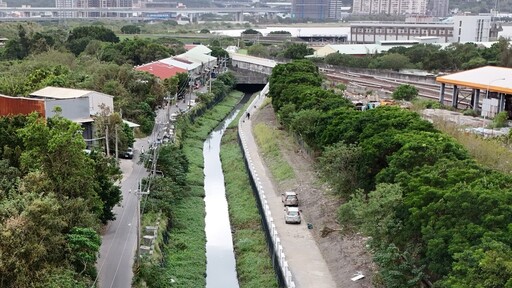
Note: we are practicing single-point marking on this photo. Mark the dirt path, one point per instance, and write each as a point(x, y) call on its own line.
point(345, 255)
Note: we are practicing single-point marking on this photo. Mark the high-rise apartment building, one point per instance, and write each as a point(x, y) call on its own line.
point(418, 7)
point(335, 9)
point(64, 4)
point(472, 28)
point(310, 9)
point(439, 8)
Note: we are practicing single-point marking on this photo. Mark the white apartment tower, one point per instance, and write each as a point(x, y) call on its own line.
point(64, 4)
point(417, 7)
point(472, 28)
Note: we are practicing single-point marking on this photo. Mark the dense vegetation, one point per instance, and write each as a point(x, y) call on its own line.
point(53, 199)
point(90, 57)
point(432, 213)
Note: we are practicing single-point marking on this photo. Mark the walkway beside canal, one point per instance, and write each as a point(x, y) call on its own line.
point(304, 258)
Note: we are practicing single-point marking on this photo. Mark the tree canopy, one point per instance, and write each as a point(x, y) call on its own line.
point(430, 211)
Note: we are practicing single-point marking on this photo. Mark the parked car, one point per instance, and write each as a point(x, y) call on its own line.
point(291, 215)
point(128, 154)
point(290, 198)
point(173, 117)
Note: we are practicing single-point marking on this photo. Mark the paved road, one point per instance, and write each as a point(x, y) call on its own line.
point(118, 247)
point(305, 260)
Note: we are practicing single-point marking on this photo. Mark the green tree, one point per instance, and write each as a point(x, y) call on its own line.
point(130, 29)
point(80, 37)
point(339, 166)
point(56, 150)
point(405, 92)
point(390, 61)
point(251, 31)
point(297, 51)
point(258, 50)
point(83, 245)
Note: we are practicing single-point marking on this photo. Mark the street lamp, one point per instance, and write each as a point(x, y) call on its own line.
point(489, 84)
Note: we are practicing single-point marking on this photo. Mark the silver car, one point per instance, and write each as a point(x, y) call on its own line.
point(290, 199)
point(291, 215)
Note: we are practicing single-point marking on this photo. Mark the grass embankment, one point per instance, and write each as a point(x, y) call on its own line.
point(253, 263)
point(491, 153)
point(186, 255)
point(268, 141)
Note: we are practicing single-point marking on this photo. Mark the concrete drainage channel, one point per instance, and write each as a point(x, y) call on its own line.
point(221, 265)
point(284, 275)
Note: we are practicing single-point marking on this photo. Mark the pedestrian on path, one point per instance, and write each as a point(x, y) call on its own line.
point(248, 115)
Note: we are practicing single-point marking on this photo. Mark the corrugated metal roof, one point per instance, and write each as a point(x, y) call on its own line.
point(495, 79)
point(161, 70)
point(197, 57)
point(256, 60)
point(200, 49)
point(21, 105)
point(181, 63)
point(60, 93)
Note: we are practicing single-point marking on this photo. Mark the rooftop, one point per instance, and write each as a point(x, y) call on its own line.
point(60, 93)
point(495, 79)
point(161, 70)
point(252, 59)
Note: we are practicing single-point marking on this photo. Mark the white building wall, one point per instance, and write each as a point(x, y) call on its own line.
point(72, 109)
point(473, 28)
point(98, 100)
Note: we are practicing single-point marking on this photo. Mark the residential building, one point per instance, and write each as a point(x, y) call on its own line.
point(390, 7)
point(475, 28)
point(64, 4)
point(310, 9)
point(439, 8)
point(161, 70)
point(77, 105)
point(372, 32)
point(463, 28)
point(335, 9)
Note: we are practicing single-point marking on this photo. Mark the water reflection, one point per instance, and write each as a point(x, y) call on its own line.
point(221, 266)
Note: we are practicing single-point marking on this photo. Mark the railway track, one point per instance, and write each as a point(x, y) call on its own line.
point(425, 90)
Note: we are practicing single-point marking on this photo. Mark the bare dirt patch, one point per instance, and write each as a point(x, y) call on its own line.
point(345, 254)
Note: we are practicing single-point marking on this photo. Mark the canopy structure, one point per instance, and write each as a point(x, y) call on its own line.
point(495, 81)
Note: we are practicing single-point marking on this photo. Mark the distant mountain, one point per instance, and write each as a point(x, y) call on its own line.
point(34, 3)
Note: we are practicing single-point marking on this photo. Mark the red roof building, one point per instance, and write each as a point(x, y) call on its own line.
point(161, 70)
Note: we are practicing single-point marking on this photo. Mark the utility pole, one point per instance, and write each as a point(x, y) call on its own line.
point(117, 151)
point(106, 140)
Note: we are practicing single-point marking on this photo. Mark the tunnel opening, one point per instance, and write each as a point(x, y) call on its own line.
point(249, 88)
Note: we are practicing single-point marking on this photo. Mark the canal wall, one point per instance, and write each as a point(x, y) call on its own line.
point(284, 275)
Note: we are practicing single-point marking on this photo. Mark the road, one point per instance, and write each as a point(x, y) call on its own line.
point(304, 258)
point(119, 241)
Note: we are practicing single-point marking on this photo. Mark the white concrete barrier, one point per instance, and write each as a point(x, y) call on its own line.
point(278, 248)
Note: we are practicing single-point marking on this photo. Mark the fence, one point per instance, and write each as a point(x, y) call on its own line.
point(284, 275)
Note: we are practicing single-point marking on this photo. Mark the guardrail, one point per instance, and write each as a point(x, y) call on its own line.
point(284, 275)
